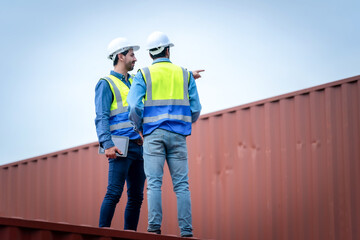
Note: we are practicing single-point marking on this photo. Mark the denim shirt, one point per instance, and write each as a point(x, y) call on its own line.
point(103, 101)
point(138, 91)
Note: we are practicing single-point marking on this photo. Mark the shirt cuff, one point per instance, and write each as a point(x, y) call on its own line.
point(195, 116)
point(107, 144)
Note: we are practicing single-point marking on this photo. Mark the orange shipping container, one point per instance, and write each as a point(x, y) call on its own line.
point(282, 168)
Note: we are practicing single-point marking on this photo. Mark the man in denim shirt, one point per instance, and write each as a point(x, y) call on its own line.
point(112, 119)
point(171, 104)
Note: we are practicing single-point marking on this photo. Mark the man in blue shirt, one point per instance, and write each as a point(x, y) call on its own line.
point(112, 119)
point(163, 103)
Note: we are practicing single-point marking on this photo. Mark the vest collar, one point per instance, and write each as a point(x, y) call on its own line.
point(121, 77)
point(161, 60)
point(118, 75)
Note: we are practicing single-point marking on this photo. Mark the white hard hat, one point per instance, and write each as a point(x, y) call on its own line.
point(119, 45)
point(159, 41)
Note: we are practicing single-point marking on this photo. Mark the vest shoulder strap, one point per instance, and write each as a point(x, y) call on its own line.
point(120, 107)
point(145, 72)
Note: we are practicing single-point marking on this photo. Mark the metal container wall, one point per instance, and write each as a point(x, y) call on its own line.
point(21, 229)
point(282, 168)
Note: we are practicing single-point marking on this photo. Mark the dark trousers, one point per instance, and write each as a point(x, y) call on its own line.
point(131, 170)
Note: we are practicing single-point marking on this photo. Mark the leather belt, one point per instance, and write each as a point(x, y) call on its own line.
point(138, 141)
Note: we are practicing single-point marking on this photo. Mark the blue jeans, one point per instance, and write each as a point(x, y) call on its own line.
point(158, 146)
point(131, 170)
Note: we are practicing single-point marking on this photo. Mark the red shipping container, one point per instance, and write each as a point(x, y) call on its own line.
point(282, 168)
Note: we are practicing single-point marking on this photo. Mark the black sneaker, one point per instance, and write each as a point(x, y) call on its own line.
point(158, 231)
point(187, 235)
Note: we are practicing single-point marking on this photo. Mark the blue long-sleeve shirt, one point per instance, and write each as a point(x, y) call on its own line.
point(138, 91)
point(103, 100)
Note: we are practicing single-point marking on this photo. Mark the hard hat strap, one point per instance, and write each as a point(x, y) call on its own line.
point(157, 50)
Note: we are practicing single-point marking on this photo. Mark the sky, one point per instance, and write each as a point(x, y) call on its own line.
point(54, 52)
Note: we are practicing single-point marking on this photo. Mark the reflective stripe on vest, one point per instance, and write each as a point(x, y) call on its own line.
point(119, 122)
point(166, 115)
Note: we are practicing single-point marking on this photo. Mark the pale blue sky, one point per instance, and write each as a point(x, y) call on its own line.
point(54, 52)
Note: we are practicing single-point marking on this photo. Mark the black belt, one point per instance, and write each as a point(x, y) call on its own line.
point(138, 141)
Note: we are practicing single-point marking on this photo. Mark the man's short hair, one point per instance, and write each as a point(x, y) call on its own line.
point(159, 55)
point(117, 58)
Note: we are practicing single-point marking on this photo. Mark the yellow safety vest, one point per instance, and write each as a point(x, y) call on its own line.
point(119, 121)
point(166, 102)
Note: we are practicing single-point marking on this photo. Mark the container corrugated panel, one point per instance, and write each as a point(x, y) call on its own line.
point(69, 186)
point(281, 168)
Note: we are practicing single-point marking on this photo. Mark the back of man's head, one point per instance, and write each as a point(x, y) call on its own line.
point(158, 45)
point(162, 54)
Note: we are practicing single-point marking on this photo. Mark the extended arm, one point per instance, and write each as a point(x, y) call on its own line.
point(194, 99)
